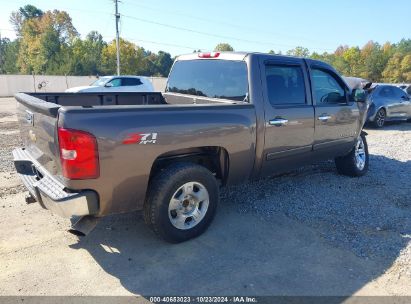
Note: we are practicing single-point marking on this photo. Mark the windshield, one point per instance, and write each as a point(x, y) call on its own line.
point(210, 78)
point(100, 82)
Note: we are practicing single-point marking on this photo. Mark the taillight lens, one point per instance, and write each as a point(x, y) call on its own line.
point(209, 55)
point(78, 154)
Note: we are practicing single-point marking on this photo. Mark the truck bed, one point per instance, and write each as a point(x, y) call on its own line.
point(53, 101)
point(101, 99)
point(183, 124)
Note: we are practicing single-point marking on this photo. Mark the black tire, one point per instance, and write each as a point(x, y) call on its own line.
point(162, 189)
point(347, 165)
point(380, 118)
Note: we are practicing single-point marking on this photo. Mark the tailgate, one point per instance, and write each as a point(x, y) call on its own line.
point(38, 126)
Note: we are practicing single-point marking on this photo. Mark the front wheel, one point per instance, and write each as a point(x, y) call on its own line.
point(181, 202)
point(380, 118)
point(355, 163)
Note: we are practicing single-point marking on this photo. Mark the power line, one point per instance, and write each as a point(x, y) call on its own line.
point(196, 31)
point(206, 33)
point(187, 30)
point(247, 28)
point(160, 43)
point(169, 44)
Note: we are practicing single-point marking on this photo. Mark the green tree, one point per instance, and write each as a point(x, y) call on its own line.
point(398, 67)
point(130, 58)
point(299, 51)
point(49, 43)
point(86, 55)
point(354, 65)
point(8, 56)
point(274, 52)
point(163, 63)
point(223, 47)
point(18, 17)
point(406, 69)
point(374, 61)
point(404, 46)
point(135, 60)
point(392, 72)
point(44, 43)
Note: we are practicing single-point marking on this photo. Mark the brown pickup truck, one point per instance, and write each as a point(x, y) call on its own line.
point(225, 118)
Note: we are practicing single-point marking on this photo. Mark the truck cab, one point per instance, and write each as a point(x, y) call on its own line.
point(224, 118)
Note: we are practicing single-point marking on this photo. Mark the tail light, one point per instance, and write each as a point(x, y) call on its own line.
point(78, 154)
point(209, 55)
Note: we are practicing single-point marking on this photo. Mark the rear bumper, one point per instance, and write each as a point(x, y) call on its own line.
point(51, 193)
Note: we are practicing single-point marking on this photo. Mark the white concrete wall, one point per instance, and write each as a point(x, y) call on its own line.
point(11, 84)
point(159, 83)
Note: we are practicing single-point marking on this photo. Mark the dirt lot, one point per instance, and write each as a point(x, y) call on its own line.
point(309, 232)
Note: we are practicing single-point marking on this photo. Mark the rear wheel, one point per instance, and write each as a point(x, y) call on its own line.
point(380, 118)
point(355, 163)
point(182, 201)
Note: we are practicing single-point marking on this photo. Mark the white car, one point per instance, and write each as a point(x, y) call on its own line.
point(107, 84)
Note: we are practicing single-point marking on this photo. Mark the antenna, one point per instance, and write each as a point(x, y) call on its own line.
point(117, 15)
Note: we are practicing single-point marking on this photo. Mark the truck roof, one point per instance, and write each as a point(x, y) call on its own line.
point(238, 56)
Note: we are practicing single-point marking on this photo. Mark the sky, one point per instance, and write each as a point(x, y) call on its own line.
point(182, 26)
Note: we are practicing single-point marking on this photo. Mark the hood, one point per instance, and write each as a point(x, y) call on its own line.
point(357, 83)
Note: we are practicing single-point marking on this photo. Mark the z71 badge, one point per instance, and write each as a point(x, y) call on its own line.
point(140, 138)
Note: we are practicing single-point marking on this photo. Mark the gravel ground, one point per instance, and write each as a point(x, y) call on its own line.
point(365, 222)
point(9, 138)
point(370, 215)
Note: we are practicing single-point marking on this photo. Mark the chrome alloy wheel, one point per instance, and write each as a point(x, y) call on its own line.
point(380, 118)
point(360, 156)
point(188, 205)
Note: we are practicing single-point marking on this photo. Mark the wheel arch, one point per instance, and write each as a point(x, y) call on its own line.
point(383, 108)
point(373, 117)
point(214, 158)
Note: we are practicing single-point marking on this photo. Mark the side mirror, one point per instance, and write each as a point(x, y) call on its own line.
point(359, 95)
point(108, 85)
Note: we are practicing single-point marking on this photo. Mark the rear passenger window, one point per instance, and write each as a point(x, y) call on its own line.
point(398, 93)
point(327, 89)
point(285, 84)
point(116, 82)
point(387, 92)
point(130, 82)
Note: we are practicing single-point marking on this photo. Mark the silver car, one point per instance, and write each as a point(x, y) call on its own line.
point(388, 103)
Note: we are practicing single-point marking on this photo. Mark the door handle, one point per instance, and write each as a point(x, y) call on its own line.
point(324, 117)
point(278, 122)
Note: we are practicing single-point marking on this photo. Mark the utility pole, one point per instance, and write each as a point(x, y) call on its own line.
point(1, 58)
point(117, 37)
